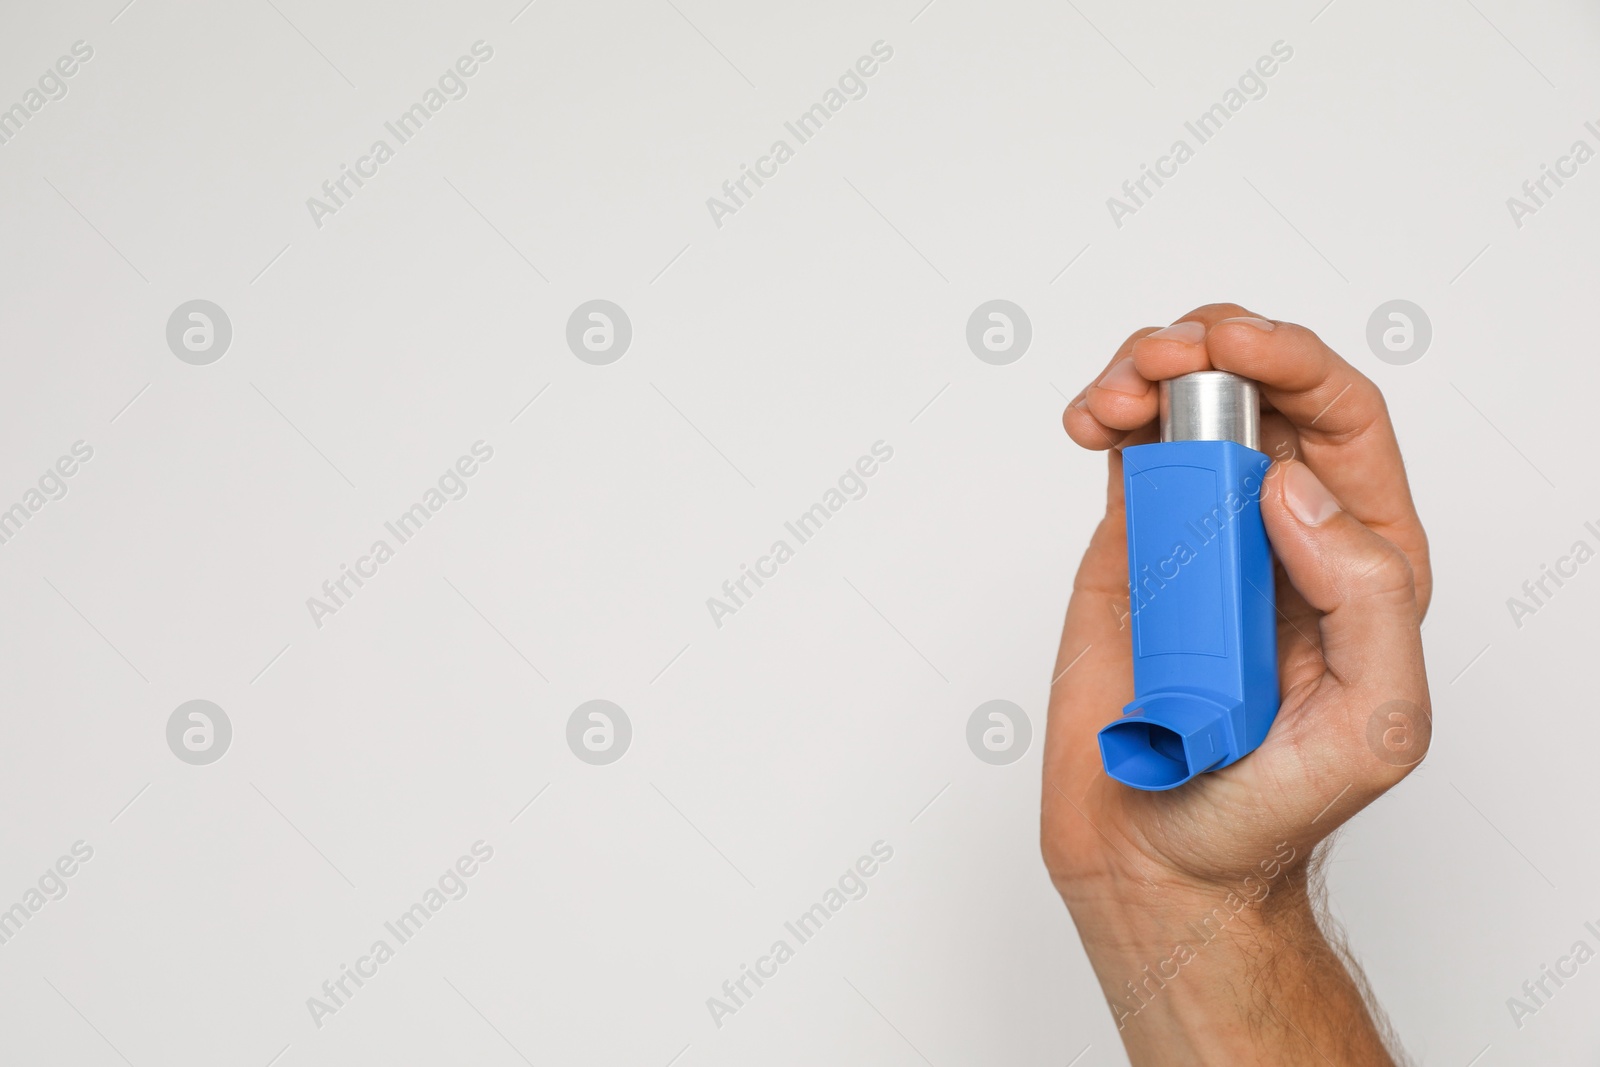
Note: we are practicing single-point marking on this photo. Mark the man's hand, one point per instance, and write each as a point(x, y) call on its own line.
point(1193, 903)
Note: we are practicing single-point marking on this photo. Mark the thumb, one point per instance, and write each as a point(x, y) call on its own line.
point(1360, 581)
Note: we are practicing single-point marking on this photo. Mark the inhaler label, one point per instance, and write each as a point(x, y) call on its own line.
point(1180, 524)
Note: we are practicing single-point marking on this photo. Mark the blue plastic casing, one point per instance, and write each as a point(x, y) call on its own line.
point(1202, 611)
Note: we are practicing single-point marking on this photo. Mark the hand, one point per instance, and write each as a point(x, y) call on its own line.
point(1353, 583)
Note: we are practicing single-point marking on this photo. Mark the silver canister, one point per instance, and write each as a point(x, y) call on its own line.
point(1211, 405)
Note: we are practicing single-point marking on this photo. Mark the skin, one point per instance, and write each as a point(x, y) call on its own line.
point(1204, 897)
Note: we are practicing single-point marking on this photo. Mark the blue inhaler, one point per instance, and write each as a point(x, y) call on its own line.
point(1200, 589)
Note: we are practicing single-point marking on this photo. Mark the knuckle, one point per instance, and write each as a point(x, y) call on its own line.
point(1384, 571)
point(1354, 410)
point(1397, 759)
point(1423, 743)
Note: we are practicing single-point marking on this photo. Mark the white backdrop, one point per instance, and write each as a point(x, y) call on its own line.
point(368, 746)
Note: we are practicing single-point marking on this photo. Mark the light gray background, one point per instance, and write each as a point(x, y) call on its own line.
point(767, 356)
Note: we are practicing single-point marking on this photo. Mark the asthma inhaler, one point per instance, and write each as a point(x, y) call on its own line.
point(1200, 589)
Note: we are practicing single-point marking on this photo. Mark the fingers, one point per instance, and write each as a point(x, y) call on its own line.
point(1338, 412)
point(1119, 394)
point(1123, 396)
point(1342, 423)
point(1339, 422)
point(1361, 582)
point(1089, 432)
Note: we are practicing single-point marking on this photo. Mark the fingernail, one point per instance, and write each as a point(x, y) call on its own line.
point(1189, 333)
point(1306, 496)
point(1260, 324)
point(1122, 378)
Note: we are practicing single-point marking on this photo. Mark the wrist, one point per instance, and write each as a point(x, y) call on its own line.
point(1235, 971)
point(1127, 924)
point(1193, 965)
point(1119, 907)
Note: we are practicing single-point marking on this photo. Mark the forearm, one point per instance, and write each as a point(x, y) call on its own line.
point(1216, 978)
